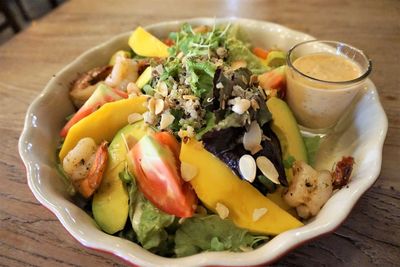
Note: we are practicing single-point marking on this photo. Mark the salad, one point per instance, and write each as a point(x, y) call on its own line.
point(186, 145)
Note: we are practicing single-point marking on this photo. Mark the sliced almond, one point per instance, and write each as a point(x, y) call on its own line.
point(268, 169)
point(166, 120)
point(239, 105)
point(148, 117)
point(222, 210)
point(258, 213)
point(219, 85)
point(188, 171)
point(134, 117)
point(151, 105)
point(158, 106)
point(247, 167)
point(163, 89)
point(252, 138)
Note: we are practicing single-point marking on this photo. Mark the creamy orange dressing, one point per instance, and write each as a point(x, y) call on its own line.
point(328, 67)
point(316, 108)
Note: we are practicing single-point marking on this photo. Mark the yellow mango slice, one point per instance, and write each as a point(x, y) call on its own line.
point(276, 197)
point(104, 123)
point(144, 78)
point(147, 45)
point(216, 183)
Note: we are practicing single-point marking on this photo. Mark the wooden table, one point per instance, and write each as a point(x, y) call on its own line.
point(30, 235)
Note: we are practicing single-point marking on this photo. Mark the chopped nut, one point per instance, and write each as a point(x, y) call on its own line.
point(134, 117)
point(148, 117)
point(158, 106)
point(163, 89)
point(239, 105)
point(190, 131)
point(186, 134)
point(158, 70)
point(247, 167)
point(268, 169)
point(132, 88)
point(258, 213)
point(188, 171)
point(166, 120)
point(222, 210)
point(151, 104)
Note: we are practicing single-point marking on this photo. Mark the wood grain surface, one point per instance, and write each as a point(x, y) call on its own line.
point(30, 235)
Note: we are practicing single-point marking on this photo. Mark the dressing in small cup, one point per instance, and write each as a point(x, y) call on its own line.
point(323, 77)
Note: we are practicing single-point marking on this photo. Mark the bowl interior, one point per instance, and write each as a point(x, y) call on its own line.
point(354, 136)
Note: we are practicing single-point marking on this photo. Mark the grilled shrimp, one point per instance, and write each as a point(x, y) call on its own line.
point(85, 165)
point(308, 190)
point(85, 85)
point(124, 71)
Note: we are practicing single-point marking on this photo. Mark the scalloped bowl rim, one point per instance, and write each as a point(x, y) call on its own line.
point(94, 238)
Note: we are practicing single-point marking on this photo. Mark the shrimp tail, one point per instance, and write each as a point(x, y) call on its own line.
point(92, 181)
point(341, 174)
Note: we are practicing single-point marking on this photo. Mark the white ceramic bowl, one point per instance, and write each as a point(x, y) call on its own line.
point(355, 135)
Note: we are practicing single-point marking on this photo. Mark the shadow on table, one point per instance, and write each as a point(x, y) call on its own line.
point(15, 15)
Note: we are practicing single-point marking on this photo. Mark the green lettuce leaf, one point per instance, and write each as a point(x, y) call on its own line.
point(210, 123)
point(197, 44)
point(233, 120)
point(210, 233)
point(148, 222)
point(237, 50)
point(201, 77)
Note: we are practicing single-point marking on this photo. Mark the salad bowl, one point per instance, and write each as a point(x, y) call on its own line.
point(353, 135)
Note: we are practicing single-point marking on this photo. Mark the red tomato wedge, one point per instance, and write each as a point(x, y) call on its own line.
point(103, 94)
point(170, 141)
point(158, 176)
point(274, 79)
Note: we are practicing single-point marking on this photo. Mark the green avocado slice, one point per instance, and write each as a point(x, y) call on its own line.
point(285, 127)
point(111, 202)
